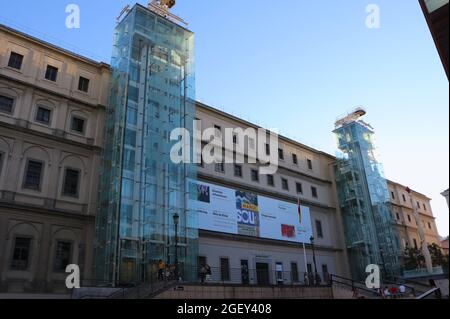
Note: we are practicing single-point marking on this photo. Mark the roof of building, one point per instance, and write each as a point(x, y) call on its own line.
point(53, 47)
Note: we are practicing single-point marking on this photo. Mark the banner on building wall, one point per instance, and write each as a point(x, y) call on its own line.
point(226, 210)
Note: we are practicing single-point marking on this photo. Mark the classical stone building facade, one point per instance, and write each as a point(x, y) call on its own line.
point(405, 223)
point(52, 106)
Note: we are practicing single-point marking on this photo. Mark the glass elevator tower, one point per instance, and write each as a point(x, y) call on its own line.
point(364, 200)
point(152, 92)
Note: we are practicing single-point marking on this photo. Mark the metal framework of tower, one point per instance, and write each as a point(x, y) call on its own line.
point(364, 200)
point(152, 92)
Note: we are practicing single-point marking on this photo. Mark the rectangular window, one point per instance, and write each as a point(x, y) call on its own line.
point(393, 195)
point(43, 115)
point(255, 175)
point(21, 254)
point(220, 168)
point(267, 149)
point(270, 180)
point(404, 198)
point(424, 207)
point(83, 84)
point(285, 184)
point(224, 269)
point(235, 139)
point(310, 165)
point(71, 182)
point(15, 61)
point(325, 271)
point(429, 226)
point(418, 205)
point(51, 73)
point(309, 268)
point(218, 130)
point(294, 159)
point(299, 187)
point(398, 216)
point(314, 192)
point(33, 175)
point(294, 272)
point(319, 229)
point(238, 170)
point(129, 160)
point(409, 218)
point(63, 256)
point(77, 124)
point(6, 104)
point(280, 154)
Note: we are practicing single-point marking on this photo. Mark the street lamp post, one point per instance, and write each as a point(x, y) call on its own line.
point(176, 219)
point(314, 260)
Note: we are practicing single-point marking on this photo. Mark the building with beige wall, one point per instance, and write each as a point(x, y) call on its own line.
point(403, 215)
point(52, 106)
point(303, 173)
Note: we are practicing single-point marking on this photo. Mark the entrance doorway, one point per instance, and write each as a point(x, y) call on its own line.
point(262, 274)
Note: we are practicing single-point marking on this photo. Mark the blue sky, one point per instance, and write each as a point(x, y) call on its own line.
point(296, 65)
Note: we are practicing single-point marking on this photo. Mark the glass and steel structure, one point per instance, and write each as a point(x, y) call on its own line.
point(364, 201)
point(152, 92)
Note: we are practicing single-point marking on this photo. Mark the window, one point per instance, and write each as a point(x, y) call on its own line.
point(15, 61)
point(238, 170)
point(314, 192)
point(235, 139)
point(267, 149)
point(6, 104)
point(255, 175)
point(77, 124)
point(220, 168)
point(294, 159)
point(285, 184)
point(129, 160)
point(294, 272)
point(319, 229)
point(33, 175)
point(62, 256)
point(218, 131)
point(224, 269)
point(409, 218)
point(404, 198)
point(71, 182)
point(309, 162)
point(270, 180)
point(424, 207)
point(280, 154)
point(415, 243)
point(43, 115)
point(398, 216)
point(309, 268)
point(83, 84)
point(21, 254)
point(393, 195)
point(429, 224)
point(299, 187)
point(418, 205)
point(51, 73)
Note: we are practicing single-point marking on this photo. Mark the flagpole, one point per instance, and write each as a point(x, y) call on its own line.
point(304, 246)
